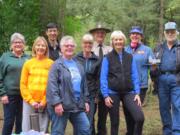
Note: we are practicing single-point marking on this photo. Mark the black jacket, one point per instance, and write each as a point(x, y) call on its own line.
point(54, 53)
point(91, 67)
point(119, 75)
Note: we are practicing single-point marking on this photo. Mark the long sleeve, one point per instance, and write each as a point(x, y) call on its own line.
point(135, 78)
point(24, 85)
point(53, 92)
point(2, 71)
point(103, 77)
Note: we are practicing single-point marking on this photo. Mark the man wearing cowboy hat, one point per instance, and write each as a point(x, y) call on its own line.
point(100, 49)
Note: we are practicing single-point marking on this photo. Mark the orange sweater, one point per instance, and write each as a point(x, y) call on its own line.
point(34, 78)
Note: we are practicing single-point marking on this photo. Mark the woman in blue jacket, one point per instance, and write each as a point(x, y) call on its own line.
point(119, 81)
point(141, 54)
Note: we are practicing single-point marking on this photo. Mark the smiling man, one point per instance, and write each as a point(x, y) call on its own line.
point(53, 43)
point(168, 76)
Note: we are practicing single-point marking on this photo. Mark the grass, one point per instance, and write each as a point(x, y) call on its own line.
point(152, 125)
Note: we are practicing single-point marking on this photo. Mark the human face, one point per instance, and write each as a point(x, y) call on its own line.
point(170, 35)
point(40, 48)
point(68, 49)
point(52, 34)
point(118, 43)
point(87, 46)
point(17, 46)
point(135, 37)
point(99, 36)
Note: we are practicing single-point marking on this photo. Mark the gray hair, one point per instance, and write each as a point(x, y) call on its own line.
point(17, 36)
point(66, 39)
point(117, 33)
point(88, 37)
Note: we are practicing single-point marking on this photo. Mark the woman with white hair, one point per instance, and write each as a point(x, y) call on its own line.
point(10, 69)
point(91, 65)
point(67, 93)
point(119, 81)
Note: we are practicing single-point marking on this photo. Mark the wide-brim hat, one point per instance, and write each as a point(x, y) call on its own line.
point(136, 29)
point(99, 26)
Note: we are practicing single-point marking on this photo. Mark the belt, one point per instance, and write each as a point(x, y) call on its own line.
point(168, 72)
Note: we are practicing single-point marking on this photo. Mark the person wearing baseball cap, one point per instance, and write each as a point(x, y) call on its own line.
point(168, 76)
point(141, 53)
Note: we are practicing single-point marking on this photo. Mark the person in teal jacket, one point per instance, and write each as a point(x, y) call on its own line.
point(10, 69)
point(141, 53)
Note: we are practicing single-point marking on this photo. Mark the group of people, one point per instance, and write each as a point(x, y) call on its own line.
point(60, 85)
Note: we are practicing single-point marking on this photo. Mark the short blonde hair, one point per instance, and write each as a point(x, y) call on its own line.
point(117, 33)
point(35, 43)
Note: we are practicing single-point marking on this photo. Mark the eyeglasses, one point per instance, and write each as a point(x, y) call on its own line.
point(87, 42)
point(17, 42)
point(69, 45)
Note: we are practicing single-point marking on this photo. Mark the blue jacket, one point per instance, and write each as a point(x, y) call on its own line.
point(141, 56)
point(60, 88)
point(104, 78)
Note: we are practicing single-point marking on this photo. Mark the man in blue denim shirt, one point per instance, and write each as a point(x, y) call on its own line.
point(168, 86)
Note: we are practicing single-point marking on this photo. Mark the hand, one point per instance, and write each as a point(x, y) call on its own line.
point(41, 106)
point(137, 98)
point(35, 105)
point(59, 109)
point(4, 100)
point(108, 102)
point(87, 108)
point(154, 67)
point(96, 100)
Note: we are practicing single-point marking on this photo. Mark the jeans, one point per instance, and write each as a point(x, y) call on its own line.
point(91, 114)
point(79, 121)
point(169, 104)
point(12, 114)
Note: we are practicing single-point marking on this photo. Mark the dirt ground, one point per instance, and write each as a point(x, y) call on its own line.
point(152, 125)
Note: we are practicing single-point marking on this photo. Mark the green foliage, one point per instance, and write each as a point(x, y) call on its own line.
point(18, 16)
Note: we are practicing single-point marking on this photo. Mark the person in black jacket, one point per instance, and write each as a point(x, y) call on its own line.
point(91, 66)
point(52, 33)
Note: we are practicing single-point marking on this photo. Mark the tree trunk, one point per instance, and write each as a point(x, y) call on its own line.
point(161, 21)
point(52, 11)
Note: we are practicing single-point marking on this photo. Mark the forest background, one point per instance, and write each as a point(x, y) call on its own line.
point(76, 17)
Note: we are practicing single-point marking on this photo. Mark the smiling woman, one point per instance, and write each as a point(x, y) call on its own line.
point(10, 69)
point(33, 84)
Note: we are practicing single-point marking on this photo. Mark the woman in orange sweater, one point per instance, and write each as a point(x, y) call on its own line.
point(33, 84)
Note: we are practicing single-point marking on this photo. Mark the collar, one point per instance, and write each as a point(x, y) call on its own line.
point(13, 55)
point(93, 56)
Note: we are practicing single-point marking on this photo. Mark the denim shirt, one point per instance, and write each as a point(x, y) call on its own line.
point(141, 56)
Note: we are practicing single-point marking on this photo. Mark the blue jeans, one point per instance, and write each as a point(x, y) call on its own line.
point(91, 114)
point(12, 114)
point(79, 121)
point(169, 99)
